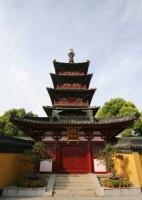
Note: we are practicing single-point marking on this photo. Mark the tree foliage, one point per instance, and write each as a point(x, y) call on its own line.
point(107, 155)
point(117, 107)
point(121, 108)
point(7, 128)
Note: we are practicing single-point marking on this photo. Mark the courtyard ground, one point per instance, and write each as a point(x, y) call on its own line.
point(74, 198)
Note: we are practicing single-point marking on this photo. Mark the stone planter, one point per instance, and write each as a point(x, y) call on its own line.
point(99, 166)
point(110, 192)
point(46, 165)
point(14, 191)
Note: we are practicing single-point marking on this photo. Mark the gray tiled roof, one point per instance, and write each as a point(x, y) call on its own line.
point(128, 144)
point(59, 66)
point(73, 120)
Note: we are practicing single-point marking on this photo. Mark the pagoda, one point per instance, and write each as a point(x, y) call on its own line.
point(71, 131)
point(71, 96)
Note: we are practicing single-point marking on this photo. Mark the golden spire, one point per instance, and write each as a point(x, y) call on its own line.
point(71, 54)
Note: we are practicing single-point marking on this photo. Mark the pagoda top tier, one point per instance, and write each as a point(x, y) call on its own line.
point(61, 67)
point(65, 67)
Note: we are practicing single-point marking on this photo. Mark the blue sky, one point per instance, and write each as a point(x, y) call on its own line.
point(35, 32)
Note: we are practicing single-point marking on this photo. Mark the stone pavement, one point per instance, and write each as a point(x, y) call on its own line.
point(74, 198)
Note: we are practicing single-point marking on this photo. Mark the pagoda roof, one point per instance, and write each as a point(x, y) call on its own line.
point(109, 127)
point(61, 66)
point(85, 94)
point(83, 79)
point(48, 109)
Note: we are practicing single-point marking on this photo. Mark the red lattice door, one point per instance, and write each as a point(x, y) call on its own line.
point(74, 159)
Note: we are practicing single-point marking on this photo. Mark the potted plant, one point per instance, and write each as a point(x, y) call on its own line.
point(40, 159)
point(43, 160)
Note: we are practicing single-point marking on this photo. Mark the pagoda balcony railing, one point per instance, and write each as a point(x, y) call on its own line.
point(71, 73)
point(71, 86)
point(70, 104)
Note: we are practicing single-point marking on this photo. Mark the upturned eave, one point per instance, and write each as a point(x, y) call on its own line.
point(37, 127)
point(61, 66)
point(85, 94)
point(81, 79)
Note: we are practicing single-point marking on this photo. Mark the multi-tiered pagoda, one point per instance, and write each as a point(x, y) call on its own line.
point(73, 133)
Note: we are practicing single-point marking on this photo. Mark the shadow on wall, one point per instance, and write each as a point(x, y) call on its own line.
point(121, 166)
point(130, 167)
point(124, 168)
point(12, 168)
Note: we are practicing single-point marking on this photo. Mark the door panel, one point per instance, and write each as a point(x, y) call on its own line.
point(74, 159)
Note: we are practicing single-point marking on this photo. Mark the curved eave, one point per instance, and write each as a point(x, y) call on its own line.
point(30, 124)
point(61, 66)
point(85, 94)
point(109, 128)
point(48, 109)
point(82, 79)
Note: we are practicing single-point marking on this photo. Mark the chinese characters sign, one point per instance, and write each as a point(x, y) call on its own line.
point(73, 135)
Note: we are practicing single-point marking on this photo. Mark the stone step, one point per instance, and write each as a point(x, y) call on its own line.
point(73, 178)
point(85, 193)
point(73, 175)
point(73, 183)
point(82, 177)
point(73, 187)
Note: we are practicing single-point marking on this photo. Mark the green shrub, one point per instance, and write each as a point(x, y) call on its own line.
point(28, 183)
point(112, 183)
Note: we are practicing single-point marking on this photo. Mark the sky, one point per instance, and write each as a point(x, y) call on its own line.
point(35, 32)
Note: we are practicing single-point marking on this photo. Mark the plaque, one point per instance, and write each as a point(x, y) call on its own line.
point(73, 135)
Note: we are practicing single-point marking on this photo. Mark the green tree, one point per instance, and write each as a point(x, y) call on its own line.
point(121, 108)
point(7, 128)
point(117, 107)
point(138, 125)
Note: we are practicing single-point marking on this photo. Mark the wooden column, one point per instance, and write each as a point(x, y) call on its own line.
point(89, 136)
point(56, 136)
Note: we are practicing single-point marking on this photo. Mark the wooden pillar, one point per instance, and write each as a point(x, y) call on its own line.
point(90, 156)
point(56, 137)
point(89, 136)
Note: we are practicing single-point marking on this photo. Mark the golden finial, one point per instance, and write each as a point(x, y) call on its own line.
point(71, 54)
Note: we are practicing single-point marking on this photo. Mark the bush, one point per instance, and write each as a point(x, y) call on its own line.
point(112, 183)
point(28, 183)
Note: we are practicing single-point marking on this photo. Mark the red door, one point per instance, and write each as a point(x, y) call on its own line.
point(74, 159)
